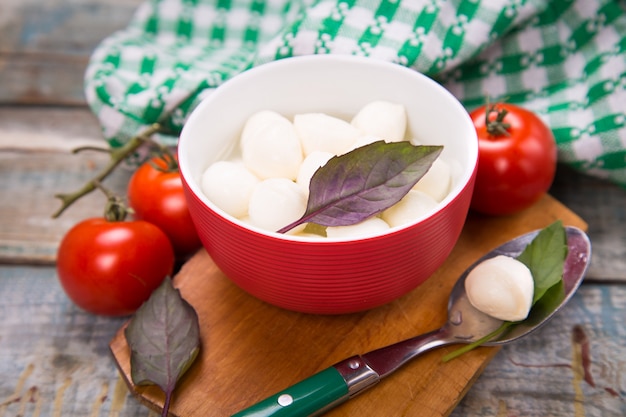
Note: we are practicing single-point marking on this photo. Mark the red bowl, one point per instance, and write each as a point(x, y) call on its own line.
point(331, 276)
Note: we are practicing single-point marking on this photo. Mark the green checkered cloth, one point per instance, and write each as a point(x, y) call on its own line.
point(563, 59)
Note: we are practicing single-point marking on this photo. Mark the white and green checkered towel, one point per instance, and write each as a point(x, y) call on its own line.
point(564, 59)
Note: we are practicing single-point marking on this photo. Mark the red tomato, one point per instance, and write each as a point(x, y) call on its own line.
point(517, 157)
point(112, 267)
point(157, 196)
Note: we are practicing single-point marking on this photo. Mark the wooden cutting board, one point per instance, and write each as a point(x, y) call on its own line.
point(251, 350)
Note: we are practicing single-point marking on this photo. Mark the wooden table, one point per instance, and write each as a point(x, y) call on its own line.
point(55, 359)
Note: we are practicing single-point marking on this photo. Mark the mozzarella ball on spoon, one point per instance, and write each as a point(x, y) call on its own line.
point(275, 203)
point(272, 150)
point(382, 119)
point(501, 287)
point(321, 132)
point(229, 186)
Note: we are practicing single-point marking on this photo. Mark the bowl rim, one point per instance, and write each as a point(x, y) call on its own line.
point(462, 183)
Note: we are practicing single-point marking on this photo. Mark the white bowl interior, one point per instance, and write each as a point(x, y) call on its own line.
point(333, 84)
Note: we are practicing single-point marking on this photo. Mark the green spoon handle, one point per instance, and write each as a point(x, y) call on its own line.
point(318, 393)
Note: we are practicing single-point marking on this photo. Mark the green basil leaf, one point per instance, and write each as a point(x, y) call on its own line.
point(545, 257)
point(315, 229)
point(359, 184)
point(164, 339)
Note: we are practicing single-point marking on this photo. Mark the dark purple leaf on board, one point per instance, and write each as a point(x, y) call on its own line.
point(164, 339)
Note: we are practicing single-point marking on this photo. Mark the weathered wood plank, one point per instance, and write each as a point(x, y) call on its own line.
point(45, 46)
point(42, 78)
point(71, 26)
point(54, 359)
point(603, 206)
point(48, 128)
point(28, 234)
point(35, 164)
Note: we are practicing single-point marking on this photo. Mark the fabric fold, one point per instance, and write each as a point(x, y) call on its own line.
point(563, 59)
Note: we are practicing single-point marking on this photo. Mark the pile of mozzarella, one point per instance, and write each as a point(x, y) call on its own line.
point(266, 184)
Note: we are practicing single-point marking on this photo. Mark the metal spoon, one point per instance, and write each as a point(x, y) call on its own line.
point(344, 380)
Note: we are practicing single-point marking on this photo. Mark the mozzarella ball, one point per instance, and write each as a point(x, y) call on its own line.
point(275, 203)
point(501, 287)
point(311, 163)
point(367, 227)
point(413, 205)
point(229, 186)
point(436, 181)
point(362, 141)
point(257, 122)
point(321, 132)
point(272, 150)
point(383, 119)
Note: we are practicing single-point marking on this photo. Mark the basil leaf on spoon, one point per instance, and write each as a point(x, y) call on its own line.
point(359, 184)
point(545, 257)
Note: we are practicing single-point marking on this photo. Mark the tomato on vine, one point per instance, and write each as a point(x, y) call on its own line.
point(517, 158)
point(155, 193)
point(110, 266)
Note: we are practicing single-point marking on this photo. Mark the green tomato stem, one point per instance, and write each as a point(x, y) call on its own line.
point(497, 127)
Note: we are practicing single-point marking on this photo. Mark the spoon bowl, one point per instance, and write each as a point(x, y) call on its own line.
point(465, 325)
point(462, 315)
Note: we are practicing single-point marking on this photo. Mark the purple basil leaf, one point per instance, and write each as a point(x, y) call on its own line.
point(364, 182)
point(164, 339)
